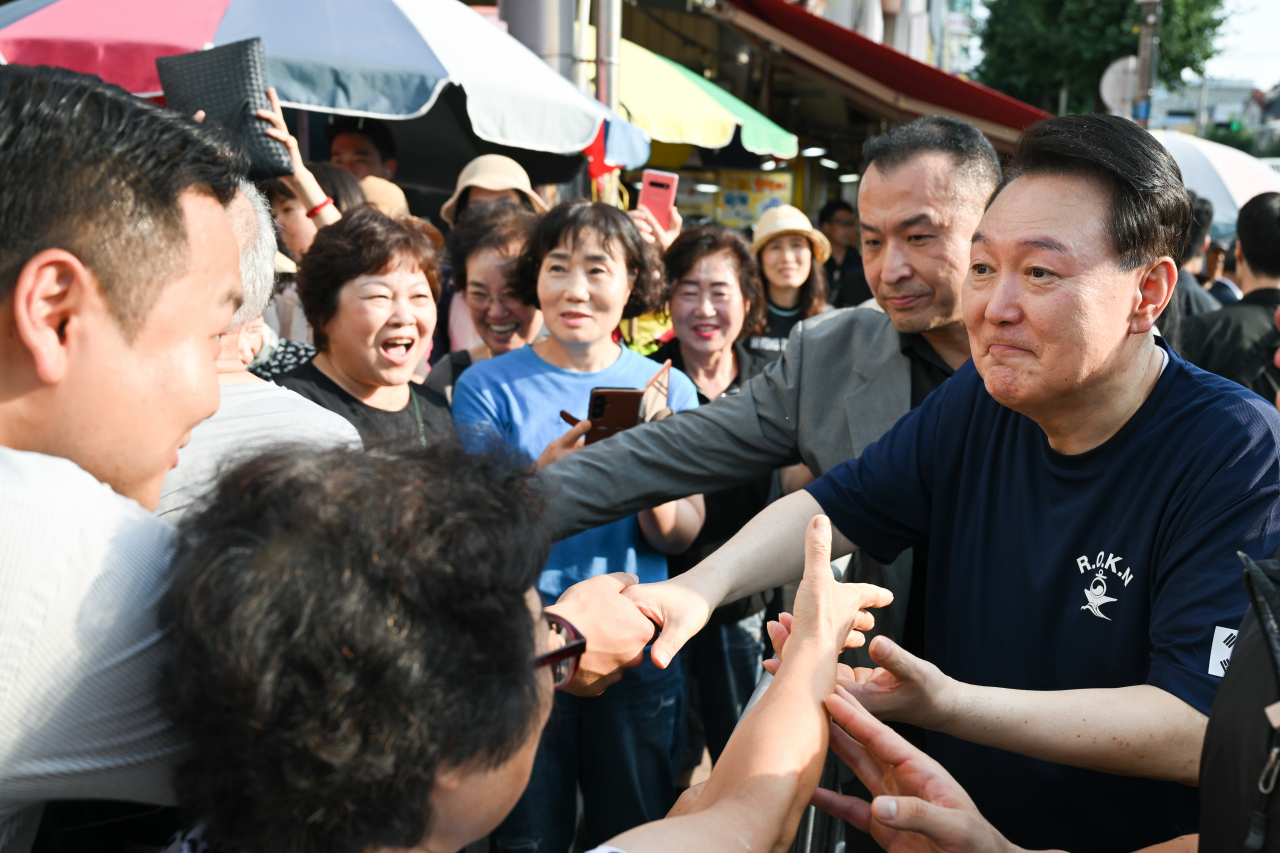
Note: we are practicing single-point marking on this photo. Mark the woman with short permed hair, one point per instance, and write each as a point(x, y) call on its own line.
point(587, 267)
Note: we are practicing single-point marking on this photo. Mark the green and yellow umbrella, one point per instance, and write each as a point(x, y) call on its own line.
point(674, 105)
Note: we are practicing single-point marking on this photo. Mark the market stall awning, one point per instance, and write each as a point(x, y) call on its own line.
point(878, 79)
point(388, 59)
point(674, 105)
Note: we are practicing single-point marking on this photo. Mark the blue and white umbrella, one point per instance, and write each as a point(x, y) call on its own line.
point(391, 59)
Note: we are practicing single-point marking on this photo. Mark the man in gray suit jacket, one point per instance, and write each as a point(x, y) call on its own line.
point(846, 376)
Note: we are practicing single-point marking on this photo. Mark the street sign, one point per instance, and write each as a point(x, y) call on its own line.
point(1119, 85)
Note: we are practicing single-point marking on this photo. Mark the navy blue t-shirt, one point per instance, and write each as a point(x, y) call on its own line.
point(1105, 569)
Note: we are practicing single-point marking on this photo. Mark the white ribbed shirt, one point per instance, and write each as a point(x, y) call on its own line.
point(82, 571)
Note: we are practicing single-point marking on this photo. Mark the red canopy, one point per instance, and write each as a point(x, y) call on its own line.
point(879, 79)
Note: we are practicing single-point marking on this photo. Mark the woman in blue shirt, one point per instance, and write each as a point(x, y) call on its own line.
point(587, 267)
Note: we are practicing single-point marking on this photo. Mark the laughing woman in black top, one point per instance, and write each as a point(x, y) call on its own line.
point(368, 287)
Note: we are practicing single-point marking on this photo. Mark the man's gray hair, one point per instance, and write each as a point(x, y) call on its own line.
point(257, 255)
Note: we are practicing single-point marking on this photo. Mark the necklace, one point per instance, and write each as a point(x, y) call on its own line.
point(417, 415)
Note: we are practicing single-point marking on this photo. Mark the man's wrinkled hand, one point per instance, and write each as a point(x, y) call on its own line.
point(903, 687)
point(917, 805)
point(615, 630)
point(678, 608)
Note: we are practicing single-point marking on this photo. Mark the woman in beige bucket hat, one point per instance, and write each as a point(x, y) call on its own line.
point(491, 176)
point(791, 253)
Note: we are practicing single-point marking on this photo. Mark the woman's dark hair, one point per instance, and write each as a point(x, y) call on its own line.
point(1149, 214)
point(813, 292)
point(336, 182)
point(344, 625)
point(697, 243)
point(564, 226)
point(464, 200)
point(489, 226)
point(365, 241)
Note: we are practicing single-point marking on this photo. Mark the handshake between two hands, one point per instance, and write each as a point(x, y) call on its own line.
point(916, 804)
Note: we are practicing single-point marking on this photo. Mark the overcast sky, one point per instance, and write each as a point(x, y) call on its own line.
point(1249, 43)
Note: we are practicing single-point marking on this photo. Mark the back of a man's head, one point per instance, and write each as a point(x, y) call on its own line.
point(250, 216)
point(975, 163)
point(346, 625)
point(89, 168)
point(1201, 222)
point(1149, 215)
point(1258, 230)
point(831, 208)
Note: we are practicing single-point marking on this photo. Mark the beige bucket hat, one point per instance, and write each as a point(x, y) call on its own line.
point(785, 219)
point(385, 196)
point(492, 172)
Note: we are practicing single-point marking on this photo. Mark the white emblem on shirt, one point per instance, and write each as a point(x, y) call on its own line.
point(1096, 593)
point(1224, 642)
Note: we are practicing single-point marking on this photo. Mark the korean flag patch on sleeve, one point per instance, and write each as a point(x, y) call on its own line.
point(1224, 640)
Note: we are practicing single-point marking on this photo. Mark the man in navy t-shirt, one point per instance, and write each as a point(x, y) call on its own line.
point(1083, 492)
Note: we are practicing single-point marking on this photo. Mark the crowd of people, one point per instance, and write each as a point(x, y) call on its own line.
point(309, 537)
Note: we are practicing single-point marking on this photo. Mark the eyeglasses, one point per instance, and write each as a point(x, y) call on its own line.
point(480, 301)
point(564, 660)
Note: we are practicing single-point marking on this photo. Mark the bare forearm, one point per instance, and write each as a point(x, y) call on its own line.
point(767, 552)
point(672, 527)
point(766, 775)
point(1132, 731)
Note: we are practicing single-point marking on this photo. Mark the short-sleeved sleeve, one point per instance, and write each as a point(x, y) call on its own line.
point(1199, 595)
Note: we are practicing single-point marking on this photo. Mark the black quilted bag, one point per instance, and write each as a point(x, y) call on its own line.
point(230, 84)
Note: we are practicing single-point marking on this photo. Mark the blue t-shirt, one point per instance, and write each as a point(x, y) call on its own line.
point(1109, 568)
point(519, 396)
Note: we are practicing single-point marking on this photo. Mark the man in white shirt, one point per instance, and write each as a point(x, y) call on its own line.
point(253, 413)
point(118, 273)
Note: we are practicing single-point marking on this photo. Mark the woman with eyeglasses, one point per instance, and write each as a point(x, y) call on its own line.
point(382, 681)
point(484, 246)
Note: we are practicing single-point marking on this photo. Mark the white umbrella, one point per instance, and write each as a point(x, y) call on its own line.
point(1226, 176)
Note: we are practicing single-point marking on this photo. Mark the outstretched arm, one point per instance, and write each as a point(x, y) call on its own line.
point(1140, 730)
point(725, 443)
point(768, 771)
point(762, 555)
point(917, 805)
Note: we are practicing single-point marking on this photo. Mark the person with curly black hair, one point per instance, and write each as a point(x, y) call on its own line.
point(586, 267)
point(350, 648)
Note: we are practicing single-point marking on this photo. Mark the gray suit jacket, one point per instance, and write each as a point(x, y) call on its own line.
point(840, 384)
